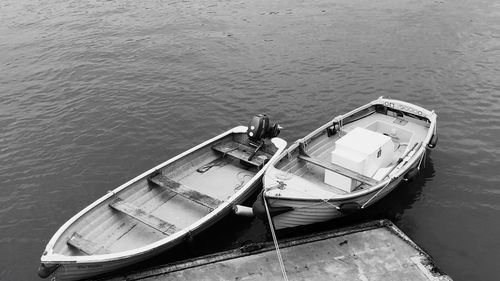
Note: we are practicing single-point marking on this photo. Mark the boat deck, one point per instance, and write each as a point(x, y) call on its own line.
point(324, 146)
point(168, 200)
point(304, 173)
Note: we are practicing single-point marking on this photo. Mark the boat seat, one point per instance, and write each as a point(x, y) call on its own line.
point(85, 246)
point(184, 191)
point(340, 170)
point(242, 152)
point(143, 216)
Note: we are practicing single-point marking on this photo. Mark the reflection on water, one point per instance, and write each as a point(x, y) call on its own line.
point(93, 93)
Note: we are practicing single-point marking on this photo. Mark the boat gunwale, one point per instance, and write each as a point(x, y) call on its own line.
point(49, 257)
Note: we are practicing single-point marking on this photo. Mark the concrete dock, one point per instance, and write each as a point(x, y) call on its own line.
point(375, 250)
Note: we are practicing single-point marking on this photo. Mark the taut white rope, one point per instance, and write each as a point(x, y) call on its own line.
point(271, 227)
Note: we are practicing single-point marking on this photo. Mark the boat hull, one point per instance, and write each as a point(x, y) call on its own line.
point(299, 188)
point(159, 209)
point(310, 211)
point(69, 271)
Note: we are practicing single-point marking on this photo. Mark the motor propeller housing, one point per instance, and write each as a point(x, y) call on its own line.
point(259, 128)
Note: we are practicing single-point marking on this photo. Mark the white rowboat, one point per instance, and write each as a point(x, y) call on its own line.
point(347, 164)
point(163, 206)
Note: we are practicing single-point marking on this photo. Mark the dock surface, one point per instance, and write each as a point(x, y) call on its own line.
point(375, 250)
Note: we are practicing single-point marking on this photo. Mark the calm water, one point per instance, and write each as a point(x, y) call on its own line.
point(94, 92)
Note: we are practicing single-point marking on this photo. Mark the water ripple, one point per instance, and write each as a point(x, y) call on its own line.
point(94, 92)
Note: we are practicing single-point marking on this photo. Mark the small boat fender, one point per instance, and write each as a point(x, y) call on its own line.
point(411, 174)
point(243, 211)
point(259, 210)
point(45, 270)
point(349, 208)
point(432, 143)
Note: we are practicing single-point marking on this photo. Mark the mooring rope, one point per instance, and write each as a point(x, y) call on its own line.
point(380, 190)
point(242, 181)
point(271, 227)
point(216, 163)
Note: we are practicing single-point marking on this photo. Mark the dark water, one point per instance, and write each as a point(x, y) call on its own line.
point(94, 92)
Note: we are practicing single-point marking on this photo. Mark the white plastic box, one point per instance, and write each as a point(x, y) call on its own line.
point(361, 151)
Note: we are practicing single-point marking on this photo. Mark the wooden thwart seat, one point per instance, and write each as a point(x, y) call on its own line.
point(85, 246)
point(184, 191)
point(241, 152)
point(340, 170)
point(142, 216)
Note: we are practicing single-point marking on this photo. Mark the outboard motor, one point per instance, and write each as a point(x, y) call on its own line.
point(259, 128)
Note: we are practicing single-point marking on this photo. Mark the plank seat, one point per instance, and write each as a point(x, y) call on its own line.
point(242, 152)
point(85, 246)
point(184, 191)
point(339, 169)
point(143, 216)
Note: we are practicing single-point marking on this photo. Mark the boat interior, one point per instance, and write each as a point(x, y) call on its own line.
point(167, 200)
point(328, 162)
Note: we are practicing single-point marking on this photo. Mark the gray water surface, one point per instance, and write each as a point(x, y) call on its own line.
point(94, 92)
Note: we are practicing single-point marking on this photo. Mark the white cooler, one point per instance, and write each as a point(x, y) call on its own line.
point(362, 151)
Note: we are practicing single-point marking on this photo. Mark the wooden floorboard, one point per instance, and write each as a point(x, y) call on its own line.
point(322, 146)
point(142, 216)
point(184, 191)
point(85, 246)
point(241, 152)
